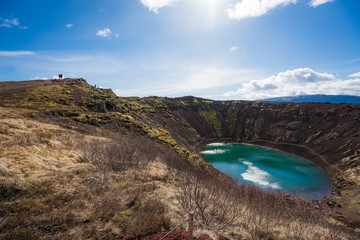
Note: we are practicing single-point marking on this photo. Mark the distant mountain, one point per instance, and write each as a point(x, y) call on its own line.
point(316, 98)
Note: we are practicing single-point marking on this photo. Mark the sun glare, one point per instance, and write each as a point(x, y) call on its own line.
point(212, 5)
point(209, 11)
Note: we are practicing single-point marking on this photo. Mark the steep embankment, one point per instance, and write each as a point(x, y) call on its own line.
point(330, 130)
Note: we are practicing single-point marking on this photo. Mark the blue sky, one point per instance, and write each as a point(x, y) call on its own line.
point(218, 49)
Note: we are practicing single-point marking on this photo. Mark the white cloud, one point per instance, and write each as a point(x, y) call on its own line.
point(355, 75)
point(69, 25)
point(39, 78)
point(117, 35)
point(11, 23)
point(315, 3)
point(15, 53)
point(300, 81)
point(106, 32)
point(154, 5)
point(254, 8)
point(233, 49)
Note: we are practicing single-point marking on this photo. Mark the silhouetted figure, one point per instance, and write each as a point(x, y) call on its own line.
point(60, 76)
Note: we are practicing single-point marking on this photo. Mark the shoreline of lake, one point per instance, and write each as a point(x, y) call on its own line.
point(269, 169)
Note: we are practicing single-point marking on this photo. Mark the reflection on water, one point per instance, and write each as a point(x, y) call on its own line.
point(269, 169)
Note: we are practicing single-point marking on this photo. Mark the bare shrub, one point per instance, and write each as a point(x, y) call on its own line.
point(303, 218)
point(176, 164)
point(148, 219)
point(118, 156)
point(109, 205)
point(214, 201)
point(96, 154)
point(263, 211)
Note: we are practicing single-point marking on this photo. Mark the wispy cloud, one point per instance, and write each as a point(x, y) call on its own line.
point(355, 75)
point(196, 80)
point(155, 5)
point(315, 3)
point(233, 49)
point(106, 32)
point(254, 8)
point(70, 25)
point(71, 59)
point(11, 23)
point(300, 81)
point(15, 53)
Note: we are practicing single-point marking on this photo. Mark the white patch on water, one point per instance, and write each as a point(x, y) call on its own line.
point(216, 144)
point(258, 176)
point(215, 151)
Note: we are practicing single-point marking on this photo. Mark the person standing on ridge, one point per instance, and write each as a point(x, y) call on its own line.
point(60, 76)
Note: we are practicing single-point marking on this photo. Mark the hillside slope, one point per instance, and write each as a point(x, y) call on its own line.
point(96, 162)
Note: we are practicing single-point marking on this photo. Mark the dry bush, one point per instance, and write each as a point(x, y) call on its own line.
point(176, 163)
point(110, 204)
point(222, 204)
point(214, 200)
point(118, 156)
point(72, 140)
point(149, 218)
point(21, 234)
point(261, 212)
point(9, 191)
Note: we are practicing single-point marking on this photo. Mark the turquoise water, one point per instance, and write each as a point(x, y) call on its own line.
point(268, 169)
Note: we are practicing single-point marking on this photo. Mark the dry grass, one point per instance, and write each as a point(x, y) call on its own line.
point(67, 204)
point(30, 149)
point(49, 186)
point(245, 212)
point(58, 184)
